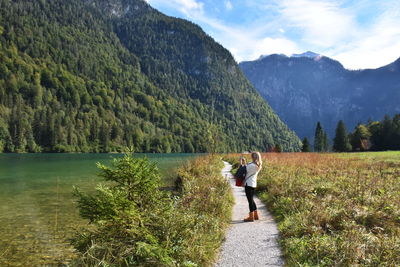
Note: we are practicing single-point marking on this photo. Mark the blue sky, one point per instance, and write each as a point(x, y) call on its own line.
point(359, 33)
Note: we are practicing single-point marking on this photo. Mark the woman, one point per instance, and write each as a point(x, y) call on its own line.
point(240, 174)
point(250, 182)
point(243, 161)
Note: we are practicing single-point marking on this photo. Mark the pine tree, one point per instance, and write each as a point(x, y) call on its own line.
point(318, 139)
point(325, 142)
point(396, 133)
point(306, 145)
point(387, 129)
point(126, 213)
point(105, 137)
point(341, 141)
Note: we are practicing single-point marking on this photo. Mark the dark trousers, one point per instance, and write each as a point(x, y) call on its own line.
point(250, 197)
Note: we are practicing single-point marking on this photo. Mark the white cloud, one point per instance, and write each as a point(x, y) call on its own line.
point(334, 31)
point(294, 26)
point(268, 46)
point(187, 7)
point(376, 46)
point(244, 43)
point(322, 23)
point(247, 44)
point(228, 5)
point(254, 47)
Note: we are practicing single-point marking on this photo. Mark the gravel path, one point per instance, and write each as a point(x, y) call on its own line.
point(249, 244)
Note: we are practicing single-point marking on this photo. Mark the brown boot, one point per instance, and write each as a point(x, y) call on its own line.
point(250, 218)
point(256, 215)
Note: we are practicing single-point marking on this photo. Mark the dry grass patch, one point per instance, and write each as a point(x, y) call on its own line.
point(334, 211)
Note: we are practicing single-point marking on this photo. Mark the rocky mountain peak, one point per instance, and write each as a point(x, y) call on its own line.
point(308, 54)
point(303, 90)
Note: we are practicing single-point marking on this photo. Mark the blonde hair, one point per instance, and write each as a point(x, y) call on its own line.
point(244, 159)
point(256, 157)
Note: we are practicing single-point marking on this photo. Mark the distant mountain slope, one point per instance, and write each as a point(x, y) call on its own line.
point(96, 75)
point(304, 90)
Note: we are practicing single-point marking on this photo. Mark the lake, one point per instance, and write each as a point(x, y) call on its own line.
point(37, 209)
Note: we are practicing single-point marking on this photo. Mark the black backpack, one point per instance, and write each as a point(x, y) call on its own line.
point(241, 173)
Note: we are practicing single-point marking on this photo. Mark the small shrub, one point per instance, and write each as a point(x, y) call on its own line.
point(135, 223)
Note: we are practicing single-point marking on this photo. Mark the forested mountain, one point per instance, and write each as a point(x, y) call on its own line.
point(304, 90)
point(97, 76)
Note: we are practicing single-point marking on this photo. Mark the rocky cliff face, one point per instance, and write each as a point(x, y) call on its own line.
point(304, 90)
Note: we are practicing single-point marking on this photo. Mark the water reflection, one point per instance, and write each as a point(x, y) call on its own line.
point(37, 210)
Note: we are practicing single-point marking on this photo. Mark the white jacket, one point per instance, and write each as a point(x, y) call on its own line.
point(251, 175)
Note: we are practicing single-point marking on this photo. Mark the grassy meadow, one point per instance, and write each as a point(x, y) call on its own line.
point(389, 156)
point(334, 209)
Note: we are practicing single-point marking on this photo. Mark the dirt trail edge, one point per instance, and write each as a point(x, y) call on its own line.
point(249, 244)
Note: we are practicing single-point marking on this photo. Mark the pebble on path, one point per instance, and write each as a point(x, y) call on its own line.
point(249, 244)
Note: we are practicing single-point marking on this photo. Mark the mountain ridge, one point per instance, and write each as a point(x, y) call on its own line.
point(97, 76)
point(303, 91)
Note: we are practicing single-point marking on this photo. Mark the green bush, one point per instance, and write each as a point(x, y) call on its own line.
point(135, 223)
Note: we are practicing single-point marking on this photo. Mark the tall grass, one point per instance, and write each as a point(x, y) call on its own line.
point(333, 211)
point(207, 203)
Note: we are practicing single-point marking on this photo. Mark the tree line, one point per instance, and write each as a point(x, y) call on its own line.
point(372, 136)
point(76, 78)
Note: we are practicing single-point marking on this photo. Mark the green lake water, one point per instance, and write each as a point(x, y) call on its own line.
point(37, 209)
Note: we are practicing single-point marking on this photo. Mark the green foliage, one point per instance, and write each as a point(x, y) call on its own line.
point(385, 135)
point(321, 143)
point(78, 76)
point(278, 148)
point(376, 135)
point(135, 223)
point(360, 135)
point(127, 214)
point(306, 145)
point(341, 141)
